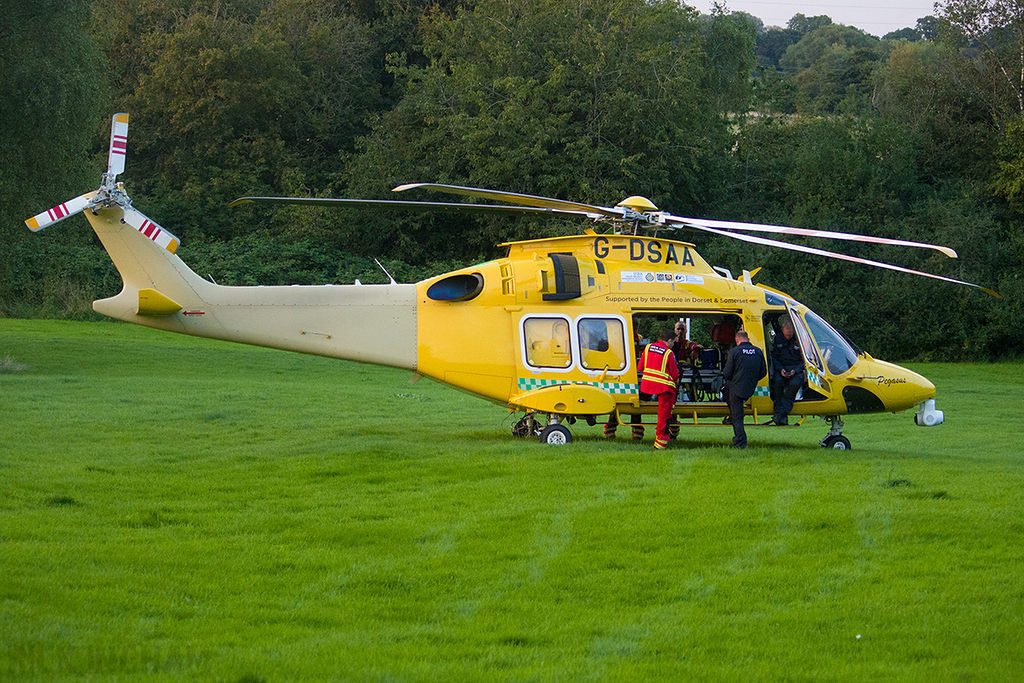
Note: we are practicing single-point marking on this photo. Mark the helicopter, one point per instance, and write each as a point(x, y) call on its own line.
point(567, 317)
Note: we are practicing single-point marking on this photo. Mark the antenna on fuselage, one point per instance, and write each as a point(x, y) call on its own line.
point(393, 281)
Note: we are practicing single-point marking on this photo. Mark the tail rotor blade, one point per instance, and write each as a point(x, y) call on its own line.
point(59, 212)
point(118, 144)
point(150, 229)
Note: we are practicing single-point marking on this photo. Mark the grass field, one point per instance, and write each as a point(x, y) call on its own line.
point(175, 509)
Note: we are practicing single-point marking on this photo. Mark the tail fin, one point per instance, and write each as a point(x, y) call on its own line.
point(156, 282)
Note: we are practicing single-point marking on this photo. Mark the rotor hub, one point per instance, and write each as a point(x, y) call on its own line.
point(638, 204)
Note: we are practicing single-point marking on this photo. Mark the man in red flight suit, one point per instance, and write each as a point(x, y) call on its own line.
point(659, 375)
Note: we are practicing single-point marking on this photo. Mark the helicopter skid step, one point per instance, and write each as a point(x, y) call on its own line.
point(713, 423)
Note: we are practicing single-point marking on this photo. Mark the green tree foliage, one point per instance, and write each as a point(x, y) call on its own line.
point(929, 27)
point(995, 28)
point(822, 42)
point(919, 140)
point(729, 41)
point(921, 88)
point(236, 98)
point(209, 115)
point(1009, 178)
point(831, 64)
point(908, 34)
point(993, 33)
point(866, 177)
point(772, 44)
point(803, 24)
point(592, 101)
point(915, 166)
point(394, 26)
point(53, 86)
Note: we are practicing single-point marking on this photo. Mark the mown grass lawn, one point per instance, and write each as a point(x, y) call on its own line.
point(179, 509)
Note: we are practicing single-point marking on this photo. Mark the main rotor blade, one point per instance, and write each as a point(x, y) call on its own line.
point(454, 207)
point(607, 212)
point(516, 198)
point(118, 144)
point(805, 232)
point(59, 212)
point(831, 254)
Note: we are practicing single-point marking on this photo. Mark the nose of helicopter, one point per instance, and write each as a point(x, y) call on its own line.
point(897, 387)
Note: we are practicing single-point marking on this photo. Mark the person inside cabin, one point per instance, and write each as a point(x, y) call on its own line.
point(787, 370)
point(687, 355)
point(686, 350)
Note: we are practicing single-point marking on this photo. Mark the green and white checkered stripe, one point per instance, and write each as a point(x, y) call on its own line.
point(815, 380)
point(762, 391)
point(531, 383)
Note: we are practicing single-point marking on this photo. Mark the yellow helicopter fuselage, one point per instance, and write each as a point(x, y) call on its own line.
point(516, 330)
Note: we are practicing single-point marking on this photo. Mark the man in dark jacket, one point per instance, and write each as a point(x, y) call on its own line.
point(744, 366)
point(787, 371)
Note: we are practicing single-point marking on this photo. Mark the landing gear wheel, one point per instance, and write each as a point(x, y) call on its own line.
point(837, 442)
point(555, 435)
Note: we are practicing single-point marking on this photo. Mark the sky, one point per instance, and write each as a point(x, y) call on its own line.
point(876, 17)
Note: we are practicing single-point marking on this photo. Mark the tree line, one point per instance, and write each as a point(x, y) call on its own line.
point(916, 135)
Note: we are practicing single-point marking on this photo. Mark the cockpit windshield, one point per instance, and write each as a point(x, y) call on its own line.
point(839, 356)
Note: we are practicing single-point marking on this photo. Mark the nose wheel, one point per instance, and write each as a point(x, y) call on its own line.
point(837, 442)
point(835, 439)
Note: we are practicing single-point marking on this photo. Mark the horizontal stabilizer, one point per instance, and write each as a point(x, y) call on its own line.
point(152, 302)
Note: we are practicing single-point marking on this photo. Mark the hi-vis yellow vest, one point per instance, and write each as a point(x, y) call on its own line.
point(660, 370)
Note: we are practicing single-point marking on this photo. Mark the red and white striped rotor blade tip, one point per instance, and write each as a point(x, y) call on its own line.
point(150, 229)
point(58, 213)
point(118, 144)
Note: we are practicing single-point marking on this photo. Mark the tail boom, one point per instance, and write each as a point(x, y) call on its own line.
point(366, 323)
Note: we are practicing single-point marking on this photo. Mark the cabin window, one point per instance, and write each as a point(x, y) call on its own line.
point(462, 287)
point(602, 344)
point(547, 342)
point(810, 353)
point(837, 354)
